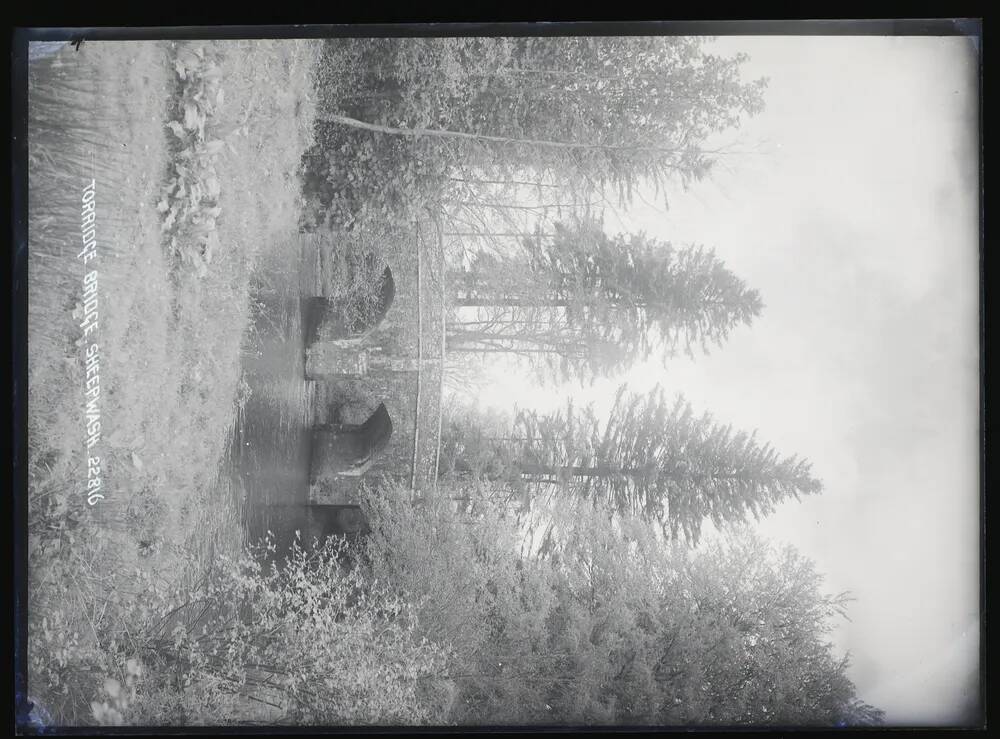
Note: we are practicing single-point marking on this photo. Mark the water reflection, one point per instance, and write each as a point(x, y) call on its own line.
point(270, 444)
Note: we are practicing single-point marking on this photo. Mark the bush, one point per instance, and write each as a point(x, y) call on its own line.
point(353, 178)
point(303, 643)
point(615, 626)
point(351, 272)
point(474, 593)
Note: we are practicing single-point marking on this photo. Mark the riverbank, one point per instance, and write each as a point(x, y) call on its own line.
point(168, 331)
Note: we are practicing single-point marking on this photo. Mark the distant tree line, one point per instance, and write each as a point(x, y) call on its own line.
point(406, 121)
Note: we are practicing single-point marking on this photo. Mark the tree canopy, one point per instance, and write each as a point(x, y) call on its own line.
point(401, 117)
point(617, 629)
point(651, 457)
point(581, 303)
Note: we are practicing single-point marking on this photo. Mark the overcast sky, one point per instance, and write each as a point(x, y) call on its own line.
point(855, 213)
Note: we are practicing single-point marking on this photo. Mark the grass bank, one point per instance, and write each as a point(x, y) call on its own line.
point(169, 329)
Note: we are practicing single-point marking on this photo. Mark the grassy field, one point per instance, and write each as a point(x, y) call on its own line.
point(174, 270)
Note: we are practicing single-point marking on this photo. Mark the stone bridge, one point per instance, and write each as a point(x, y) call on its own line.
point(395, 359)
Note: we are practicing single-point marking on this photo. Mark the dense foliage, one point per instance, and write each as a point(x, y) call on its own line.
point(302, 641)
point(618, 628)
point(401, 119)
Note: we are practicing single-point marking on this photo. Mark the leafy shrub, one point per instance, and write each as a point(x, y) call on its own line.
point(351, 271)
point(353, 178)
point(306, 642)
point(190, 203)
point(474, 593)
point(616, 626)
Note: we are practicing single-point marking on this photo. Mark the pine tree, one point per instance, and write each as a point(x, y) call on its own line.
point(583, 304)
point(649, 457)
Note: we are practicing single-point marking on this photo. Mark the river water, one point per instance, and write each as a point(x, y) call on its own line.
point(268, 457)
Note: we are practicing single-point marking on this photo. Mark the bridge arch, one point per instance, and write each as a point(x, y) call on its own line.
point(327, 318)
point(350, 450)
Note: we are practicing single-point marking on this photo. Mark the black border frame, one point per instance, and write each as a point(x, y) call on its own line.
point(970, 26)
